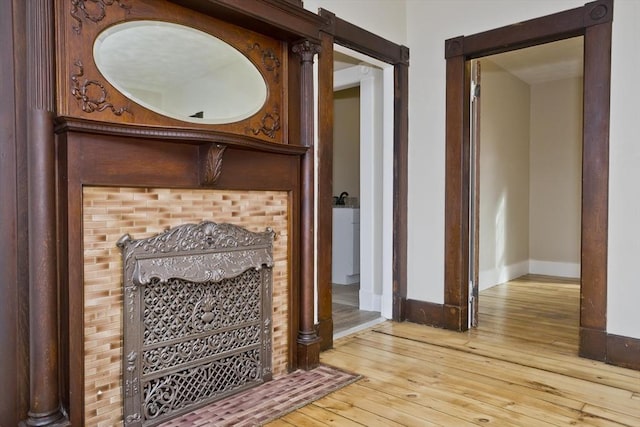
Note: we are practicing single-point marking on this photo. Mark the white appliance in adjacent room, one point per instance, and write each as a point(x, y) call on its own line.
point(346, 245)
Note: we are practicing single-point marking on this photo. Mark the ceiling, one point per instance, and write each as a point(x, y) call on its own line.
point(342, 61)
point(552, 61)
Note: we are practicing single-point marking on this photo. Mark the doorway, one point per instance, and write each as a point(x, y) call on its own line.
point(393, 59)
point(359, 197)
point(593, 21)
point(527, 143)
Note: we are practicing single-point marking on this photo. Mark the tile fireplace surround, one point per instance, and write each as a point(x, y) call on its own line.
point(109, 213)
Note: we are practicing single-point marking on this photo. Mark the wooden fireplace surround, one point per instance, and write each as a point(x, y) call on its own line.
point(82, 131)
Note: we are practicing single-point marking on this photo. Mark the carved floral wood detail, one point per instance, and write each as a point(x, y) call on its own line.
point(91, 93)
point(212, 166)
point(269, 125)
point(270, 60)
point(94, 12)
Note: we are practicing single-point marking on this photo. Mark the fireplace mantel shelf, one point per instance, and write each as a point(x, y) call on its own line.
point(172, 134)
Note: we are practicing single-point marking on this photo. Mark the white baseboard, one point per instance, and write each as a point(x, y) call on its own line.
point(558, 269)
point(489, 278)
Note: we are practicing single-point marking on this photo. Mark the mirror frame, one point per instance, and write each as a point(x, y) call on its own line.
point(85, 93)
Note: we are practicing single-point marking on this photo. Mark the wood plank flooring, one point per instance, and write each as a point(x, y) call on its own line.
point(345, 312)
point(518, 368)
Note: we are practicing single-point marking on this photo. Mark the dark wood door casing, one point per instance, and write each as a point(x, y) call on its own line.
point(594, 22)
point(347, 34)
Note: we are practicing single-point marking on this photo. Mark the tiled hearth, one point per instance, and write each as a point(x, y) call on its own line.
point(109, 213)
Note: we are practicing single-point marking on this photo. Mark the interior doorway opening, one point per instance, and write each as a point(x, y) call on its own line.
point(360, 200)
point(594, 22)
point(525, 192)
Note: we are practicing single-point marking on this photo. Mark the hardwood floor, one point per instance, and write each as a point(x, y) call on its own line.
point(518, 368)
point(347, 317)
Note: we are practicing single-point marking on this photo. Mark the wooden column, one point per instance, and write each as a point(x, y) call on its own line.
point(308, 341)
point(44, 405)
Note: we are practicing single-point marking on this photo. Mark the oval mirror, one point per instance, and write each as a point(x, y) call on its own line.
point(180, 72)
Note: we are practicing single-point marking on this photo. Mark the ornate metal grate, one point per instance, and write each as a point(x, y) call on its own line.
point(197, 323)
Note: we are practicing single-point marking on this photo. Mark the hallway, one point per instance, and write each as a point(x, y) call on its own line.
point(524, 372)
point(347, 317)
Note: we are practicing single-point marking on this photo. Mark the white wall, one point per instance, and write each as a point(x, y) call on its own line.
point(623, 291)
point(386, 18)
point(530, 177)
point(346, 142)
point(428, 24)
point(555, 177)
point(504, 176)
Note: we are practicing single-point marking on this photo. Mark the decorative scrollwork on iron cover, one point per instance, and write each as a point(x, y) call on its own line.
point(191, 341)
point(201, 267)
point(235, 304)
point(186, 351)
point(204, 383)
point(194, 237)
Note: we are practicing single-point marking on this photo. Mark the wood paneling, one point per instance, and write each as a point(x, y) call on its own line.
point(13, 225)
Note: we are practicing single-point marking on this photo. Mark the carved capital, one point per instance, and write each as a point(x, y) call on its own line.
point(306, 49)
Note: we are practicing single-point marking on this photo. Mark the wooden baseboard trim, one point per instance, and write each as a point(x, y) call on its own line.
point(424, 313)
point(623, 351)
point(593, 344)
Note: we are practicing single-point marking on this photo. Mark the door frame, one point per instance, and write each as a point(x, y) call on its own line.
point(374, 195)
point(359, 40)
point(594, 22)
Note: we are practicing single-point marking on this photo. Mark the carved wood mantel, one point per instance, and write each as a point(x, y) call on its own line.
point(82, 131)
